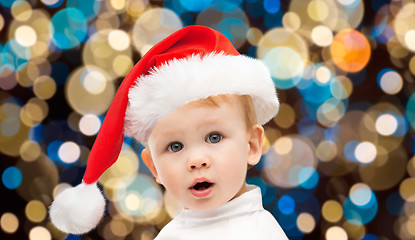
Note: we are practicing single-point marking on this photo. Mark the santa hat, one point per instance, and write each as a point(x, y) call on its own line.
point(193, 63)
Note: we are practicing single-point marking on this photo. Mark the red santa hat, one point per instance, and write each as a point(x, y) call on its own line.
point(193, 63)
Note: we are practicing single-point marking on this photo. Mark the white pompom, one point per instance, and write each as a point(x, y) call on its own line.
point(78, 210)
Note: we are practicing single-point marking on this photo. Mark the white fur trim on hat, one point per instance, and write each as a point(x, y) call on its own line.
point(181, 81)
point(78, 209)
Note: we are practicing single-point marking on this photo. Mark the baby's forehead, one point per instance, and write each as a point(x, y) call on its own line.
point(196, 115)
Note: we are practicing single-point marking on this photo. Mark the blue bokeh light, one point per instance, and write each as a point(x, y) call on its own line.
point(9, 3)
point(12, 177)
point(410, 110)
point(315, 92)
point(72, 237)
point(308, 178)
point(14, 56)
point(68, 28)
point(36, 133)
point(52, 150)
point(90, 9)
point(349, 149)
point(369, 236)
point(360, 215)
point(272, 6)
point(195, 6)
point(286, 205)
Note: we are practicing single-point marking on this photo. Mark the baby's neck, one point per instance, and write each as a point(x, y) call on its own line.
point(241, 191)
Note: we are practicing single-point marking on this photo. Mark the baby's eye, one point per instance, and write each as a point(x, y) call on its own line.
point(214, 138)
point(175, 147)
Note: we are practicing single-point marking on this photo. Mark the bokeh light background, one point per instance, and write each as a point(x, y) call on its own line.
point(338, 159)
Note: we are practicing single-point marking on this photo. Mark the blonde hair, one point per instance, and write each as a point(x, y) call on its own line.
point(244, 102)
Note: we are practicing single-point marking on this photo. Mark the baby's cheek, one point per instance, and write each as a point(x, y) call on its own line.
point(169, 178)
point(239, 164)
point(173, 188)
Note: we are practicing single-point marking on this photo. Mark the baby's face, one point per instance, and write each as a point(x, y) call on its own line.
point(200, 154)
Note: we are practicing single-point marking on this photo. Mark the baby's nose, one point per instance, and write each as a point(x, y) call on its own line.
point(194, 166)
point(197, 162)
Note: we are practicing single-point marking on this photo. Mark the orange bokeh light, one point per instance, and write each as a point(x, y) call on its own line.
point(350, 50)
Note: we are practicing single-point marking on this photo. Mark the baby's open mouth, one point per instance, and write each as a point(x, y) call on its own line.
point(202, 185)
point(201, 188)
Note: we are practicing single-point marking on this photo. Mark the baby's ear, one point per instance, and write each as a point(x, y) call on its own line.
point(148, 160)
point(255, 144)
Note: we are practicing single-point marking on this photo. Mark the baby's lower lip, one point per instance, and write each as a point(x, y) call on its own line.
point(202, 193)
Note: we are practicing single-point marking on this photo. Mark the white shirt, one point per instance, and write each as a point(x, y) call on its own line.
point(241, 218)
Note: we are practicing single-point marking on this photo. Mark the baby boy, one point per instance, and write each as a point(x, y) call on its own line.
point(198, 106)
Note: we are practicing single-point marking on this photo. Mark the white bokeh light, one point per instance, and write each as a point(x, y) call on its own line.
point(323, 75)
point(410, 40)
point(322, 36)
point(119, 40)
point(365, 152)
point(336, 233)
point(94, 82)
point(26, 36)
point(39, 233)
point(89, 124)
point(386, 124)
point(391, 82)
point(132, 201)
point(69, 152)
